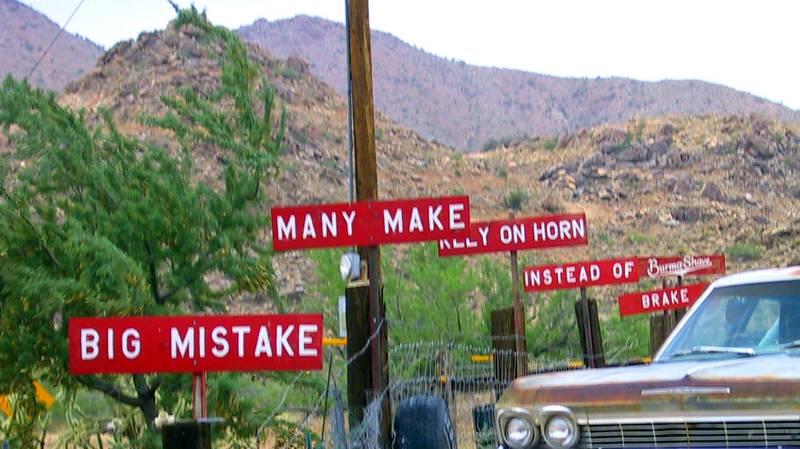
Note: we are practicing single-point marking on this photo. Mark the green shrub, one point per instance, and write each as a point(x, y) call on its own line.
point(745, 252)
point(515, 200)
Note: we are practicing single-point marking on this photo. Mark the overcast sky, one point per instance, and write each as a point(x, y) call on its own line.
point(747, 45)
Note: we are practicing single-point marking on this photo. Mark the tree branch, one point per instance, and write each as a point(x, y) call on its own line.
point(36, 230)
point(151, 264)
point(155, 384)
point(140, 383)
point(109, 390)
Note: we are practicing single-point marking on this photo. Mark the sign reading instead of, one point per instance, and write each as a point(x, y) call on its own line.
point(657, 300)
point(659, 267)
point(518, 234)
point(195, 343)
point(581, 274)
point(369, 223)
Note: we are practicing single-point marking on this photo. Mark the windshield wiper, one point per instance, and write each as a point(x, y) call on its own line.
point(746, 352)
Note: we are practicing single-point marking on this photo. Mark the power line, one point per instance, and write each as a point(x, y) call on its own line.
point(60, 31)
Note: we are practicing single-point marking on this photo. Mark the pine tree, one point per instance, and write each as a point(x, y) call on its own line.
point(96, 223)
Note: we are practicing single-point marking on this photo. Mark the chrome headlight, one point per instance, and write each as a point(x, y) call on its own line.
point(560, 431)
point(519, 432)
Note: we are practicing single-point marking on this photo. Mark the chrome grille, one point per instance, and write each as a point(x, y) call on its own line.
point(693, 434)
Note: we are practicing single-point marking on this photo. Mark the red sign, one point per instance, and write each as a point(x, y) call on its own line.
point(519, 234)
point(657, 300)
point(659, 267)
point(369, 223)
point(581, 274)
point(195, 343)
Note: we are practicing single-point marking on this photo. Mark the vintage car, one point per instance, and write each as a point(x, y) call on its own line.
point(727, 376)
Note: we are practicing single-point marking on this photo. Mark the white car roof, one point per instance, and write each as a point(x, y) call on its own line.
point(759, 276)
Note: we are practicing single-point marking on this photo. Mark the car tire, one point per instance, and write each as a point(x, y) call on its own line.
point(423, 422)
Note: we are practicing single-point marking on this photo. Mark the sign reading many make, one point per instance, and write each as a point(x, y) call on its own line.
point(195, 343)
point(581, 274)
point(658, 267)
point(369, 223)
point(518, 234)
point(657, 300)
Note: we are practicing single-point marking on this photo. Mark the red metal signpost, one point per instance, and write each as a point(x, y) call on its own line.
point(518, 234)
point(660, 267)
point(680, 297)
point(367, 223)
point(195, 344)
point(581, 274)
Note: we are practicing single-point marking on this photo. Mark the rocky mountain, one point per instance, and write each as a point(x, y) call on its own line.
point(26, 35)
point(472, 107)
point(728, 184)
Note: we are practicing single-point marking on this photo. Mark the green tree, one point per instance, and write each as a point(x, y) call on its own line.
point(96, 223)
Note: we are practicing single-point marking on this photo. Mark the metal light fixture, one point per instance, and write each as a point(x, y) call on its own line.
point(350, 266)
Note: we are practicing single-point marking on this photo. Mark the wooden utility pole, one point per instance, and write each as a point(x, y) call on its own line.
point(587, 328)
point(366, 174)
point(520, 346)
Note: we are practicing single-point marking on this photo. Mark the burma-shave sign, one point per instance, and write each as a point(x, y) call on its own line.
point(659, 267)
point(657, 300)
point(369, 223)
point(581, 274)
point(518, 234)
point(195, 343)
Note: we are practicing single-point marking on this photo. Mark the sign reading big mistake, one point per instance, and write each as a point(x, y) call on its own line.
point(369, 223)
point(195, 343)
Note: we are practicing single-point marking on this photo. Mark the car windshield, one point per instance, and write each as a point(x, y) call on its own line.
point(740, 321)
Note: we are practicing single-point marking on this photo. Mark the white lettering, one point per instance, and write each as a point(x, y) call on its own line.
point(349, 219)
point(262, 346)
point(484, 232)
point(306, 339)
point(184, 346)
point(131, 346)
point(505, 234)
point(90, 344)
point(519, 233)
point(456, 221)
point(283, 340)
point(538, 231)
point(241, 331)
point(578, 228)
point(110, 344)
point(308, 228)
point(201, 341)
point(395, 223)
point(221, 347)
point(552, 230)
point(433, 218)
point(287, 230)
point(329, 224)
point(416, 221)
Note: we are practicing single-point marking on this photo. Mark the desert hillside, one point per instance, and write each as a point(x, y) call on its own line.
point(470, 107)
point(26, 35)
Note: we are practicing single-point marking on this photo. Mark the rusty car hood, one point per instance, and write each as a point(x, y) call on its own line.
point(732, 386)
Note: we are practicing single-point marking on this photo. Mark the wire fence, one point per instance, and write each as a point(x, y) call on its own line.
point(468, 372)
